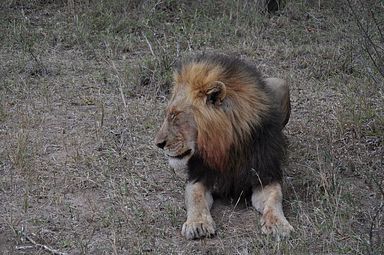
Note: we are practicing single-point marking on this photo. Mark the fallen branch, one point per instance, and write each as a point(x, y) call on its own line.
point(25, 247)
point(36, 244)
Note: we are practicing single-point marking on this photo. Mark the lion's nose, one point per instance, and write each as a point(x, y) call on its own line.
point(161, 144)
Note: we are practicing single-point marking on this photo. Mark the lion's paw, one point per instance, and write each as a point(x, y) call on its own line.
point(276, 224)
point(198, 229)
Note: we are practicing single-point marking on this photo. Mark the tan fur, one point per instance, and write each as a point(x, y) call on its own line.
point(199, 222)
point(268, 201)
point(280, 90)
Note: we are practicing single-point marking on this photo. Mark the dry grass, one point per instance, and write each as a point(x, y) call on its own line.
point(83, 88)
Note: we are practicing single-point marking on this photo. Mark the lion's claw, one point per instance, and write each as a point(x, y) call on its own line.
point(276, 225)
point(196, 230)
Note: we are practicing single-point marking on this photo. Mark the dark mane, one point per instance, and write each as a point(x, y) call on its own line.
point(257, 163)
point(257, 160)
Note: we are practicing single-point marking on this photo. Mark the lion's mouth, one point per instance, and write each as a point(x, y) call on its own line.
point(182, 155)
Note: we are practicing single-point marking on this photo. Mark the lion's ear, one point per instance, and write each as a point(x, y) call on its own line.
point(216, 93)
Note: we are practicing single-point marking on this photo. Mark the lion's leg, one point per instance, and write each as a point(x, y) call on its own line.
point(199, 222)
point(280, 90)
point(268, 201)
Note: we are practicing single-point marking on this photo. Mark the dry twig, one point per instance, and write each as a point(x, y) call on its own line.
point(120, 81)
point(149, 45)
point(36, 244)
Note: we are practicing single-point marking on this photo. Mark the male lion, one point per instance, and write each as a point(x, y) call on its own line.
point(224, 127)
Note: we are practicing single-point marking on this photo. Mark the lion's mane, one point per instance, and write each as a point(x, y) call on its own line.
point(239, 145)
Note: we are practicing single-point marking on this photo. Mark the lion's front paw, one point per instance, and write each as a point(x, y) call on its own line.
point(276, 224)
point(198, 229)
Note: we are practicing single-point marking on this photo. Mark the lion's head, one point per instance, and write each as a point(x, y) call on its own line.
point(178, 133)
point(214, 106)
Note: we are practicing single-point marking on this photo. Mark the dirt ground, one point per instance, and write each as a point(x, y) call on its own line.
point(83, 89)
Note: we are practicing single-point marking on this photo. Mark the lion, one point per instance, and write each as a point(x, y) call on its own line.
point(223, 126)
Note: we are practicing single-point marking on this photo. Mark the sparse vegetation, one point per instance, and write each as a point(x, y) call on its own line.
point(83, 87)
